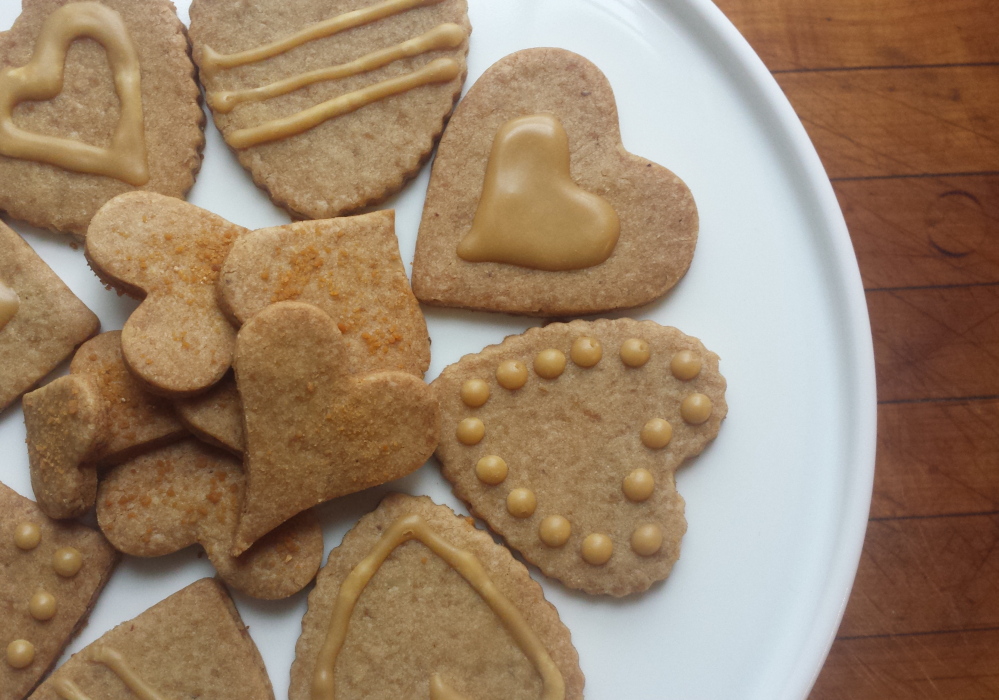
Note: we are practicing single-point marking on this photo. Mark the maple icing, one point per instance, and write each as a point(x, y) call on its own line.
point(20, 653)
point(586, 352)
point(474, 392)
point(646, 540)
point(549, 363)
point(511, 374)
point(635, 352)
point(42, 79)
point(597, 549)
point(638, 485)
point(685, 365)
point(657, 433)
point(491, 470)
point(531, 212)
point(554, 531)
point(470, 431)
point(521, 503)
point(27, 535)
point(9, 304)
point(115, 662)
point(42, 605)
point(67, 561)
point(695, 409)
point(466, 564)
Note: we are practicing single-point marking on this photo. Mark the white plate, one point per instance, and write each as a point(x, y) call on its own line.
point(777, 506)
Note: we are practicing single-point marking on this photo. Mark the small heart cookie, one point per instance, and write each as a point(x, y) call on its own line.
point(314, 430)
point(534, 206)
point(626, 402)
point(215, 416)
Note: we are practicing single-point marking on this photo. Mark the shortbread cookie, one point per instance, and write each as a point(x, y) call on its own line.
point(50, 576)
point(627, 402)
point(103, 100)
point(314, 430)
point(44, 319)
point(215, 416)
point(190, 493)
point(191, 645)
point(331, 105)
point(417, 599)
point(534, 207)
point(168, 253)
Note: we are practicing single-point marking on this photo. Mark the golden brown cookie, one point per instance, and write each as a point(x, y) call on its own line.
point(314, 430)
point(190, 645)
point(50, 576)
point(331, 105)
point(535, 207)
point(119, 110)
point(627, 402)
point(188, 493)
point(44, 319)
point(168, 253)
point(215, 416)
point(416, 598)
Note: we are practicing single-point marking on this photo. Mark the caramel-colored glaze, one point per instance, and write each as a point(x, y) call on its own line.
point(444, 36)
point(511, 374)
point(42, 79)
point(465, 563)
point(470, 431)
point(657, 433)
point(20, 653)
point(67, 561)
point(597, 549)
point(474, 392)
point(491, 470)
point(685, 365)
point(27, 536)
point(521, 503)
point(531, 213)
point(113, 659)
point(638, 485)
point(635, 352)
point(9, 304)
point(554, 531)
point(586, 352)
point(68, 690)
point(440, 70)
point(42, 606)
point(696, 409)
point(549, 364)
point(646, 540)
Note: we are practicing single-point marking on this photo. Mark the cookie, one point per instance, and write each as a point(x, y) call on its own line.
point(189, 493)
point(52, 575)
point(45, 321)
point(314, 430)
point(416, 597)
point(83, 121)
point(361, 84)
point(168, 253)
point(190, 645)
point(627, 403)
point(534, 206)
point(215, 416)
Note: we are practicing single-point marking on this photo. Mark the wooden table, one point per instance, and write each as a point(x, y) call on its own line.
point(901, 98)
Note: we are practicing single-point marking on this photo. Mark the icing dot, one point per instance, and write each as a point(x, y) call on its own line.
point(554, 531)
point(646, 540)
point(597, 549)
point(42, 605)
point(470, 431)
point(685, 365)
point(521, 503)
point(474, 392)
point(27, 535)
point(696, 409)
point(67, 561)
point(635, 352)
point(511, 374)
point(586, 351)
point(20, 653)
point(549, 363)
point(491, 470)
point(657, 433)
point(638, 485)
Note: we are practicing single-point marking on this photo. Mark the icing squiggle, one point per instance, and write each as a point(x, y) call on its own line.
point(113, 660)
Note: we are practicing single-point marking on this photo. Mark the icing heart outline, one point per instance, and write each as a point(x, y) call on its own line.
point(42, 79)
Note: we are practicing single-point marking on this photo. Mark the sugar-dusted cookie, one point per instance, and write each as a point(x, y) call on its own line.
point(350, 268)
point(41, 320)
point(330, 104)
point(314, 430)
point(50, 576)
point(188, 492)
point(190, 645)
point(169, 253)
point(417, 599)
point(215, 416)
point(627, 402)
point(96, 99)
point(535, 207)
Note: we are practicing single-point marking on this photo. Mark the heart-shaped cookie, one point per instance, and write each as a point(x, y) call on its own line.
point(505, 136)
point(314, 431)
point(626, 402)
point(415, 598)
